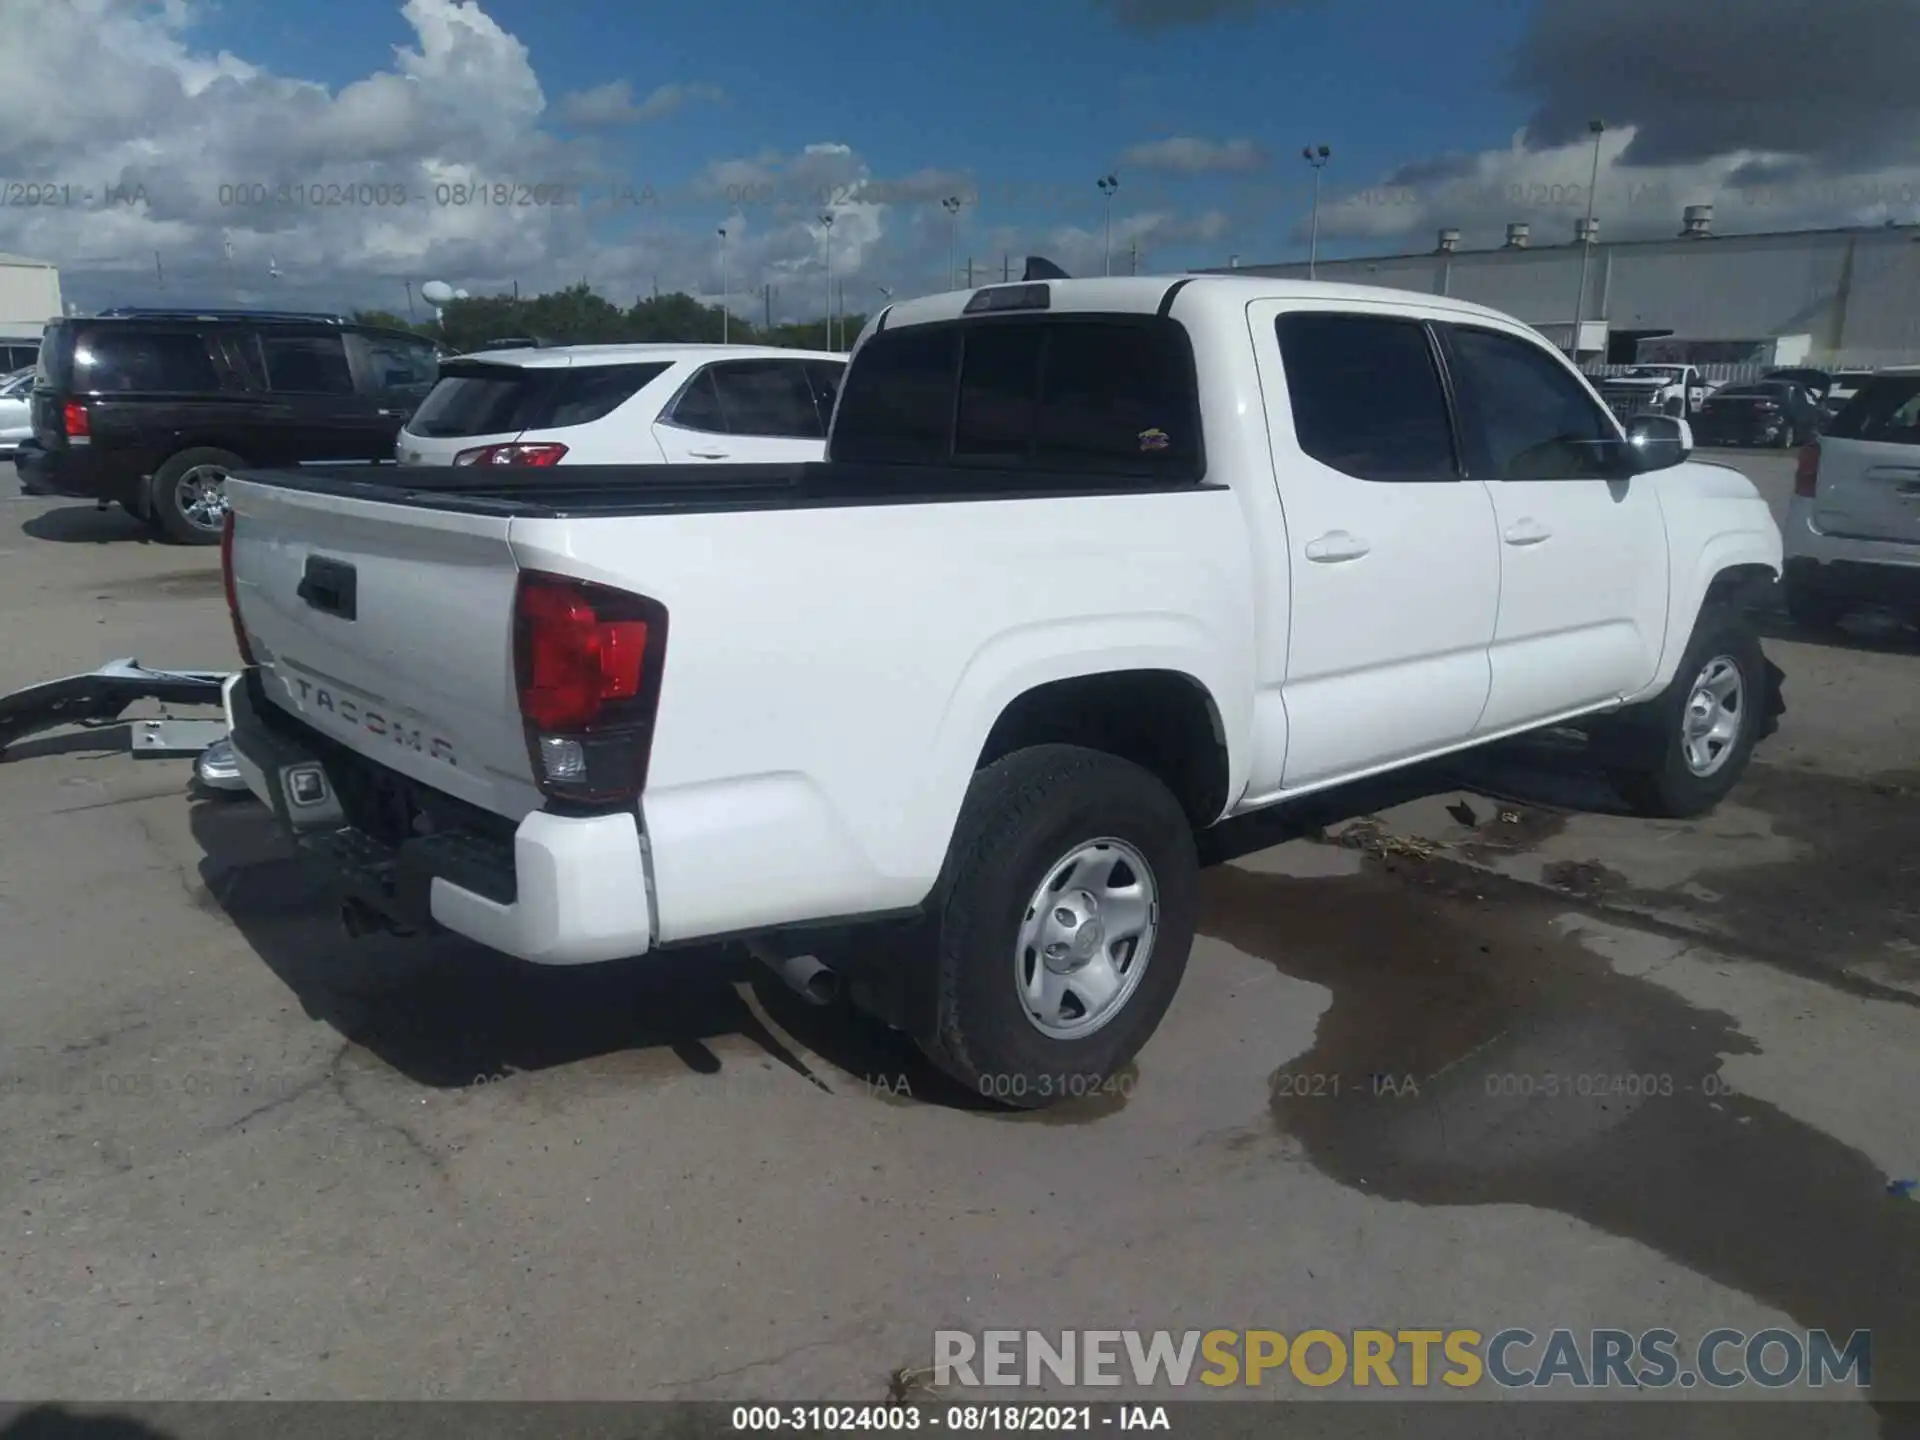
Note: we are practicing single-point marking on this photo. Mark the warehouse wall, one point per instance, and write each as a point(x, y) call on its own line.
point(29, 297)
point(1857, 293)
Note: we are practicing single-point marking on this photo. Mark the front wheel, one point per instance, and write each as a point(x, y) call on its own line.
point(1062, 924)
point(190, 495)
point(1697, 736)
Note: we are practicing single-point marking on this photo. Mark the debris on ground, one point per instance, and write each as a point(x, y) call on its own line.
point(1464, 813)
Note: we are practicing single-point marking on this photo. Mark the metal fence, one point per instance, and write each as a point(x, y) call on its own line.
point(1712, 374)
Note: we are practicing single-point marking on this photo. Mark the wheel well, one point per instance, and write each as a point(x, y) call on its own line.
point(1741, 584)
point(1163, 721)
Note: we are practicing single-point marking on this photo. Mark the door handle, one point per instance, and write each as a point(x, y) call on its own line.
point(708, 454)
point(1527, 532)
point(1335, 546)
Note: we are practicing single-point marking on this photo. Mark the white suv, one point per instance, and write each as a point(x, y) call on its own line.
point(625, 405)
point(1853, 529)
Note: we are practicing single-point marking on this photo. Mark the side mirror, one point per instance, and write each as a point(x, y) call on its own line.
point(1657, 442)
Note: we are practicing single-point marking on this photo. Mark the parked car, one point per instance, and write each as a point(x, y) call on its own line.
point(1814, 380)
point(625, 405)
point(1090, 566)
point(1655, 390)
point(1853, 525)
point(155, 409)
point(1775, 413)
point(16, 424)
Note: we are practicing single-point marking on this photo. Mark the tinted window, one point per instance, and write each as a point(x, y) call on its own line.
point(896, 403)
point(471, 399)
point(1887, 409)
point(1366, 396)
point(161, 360)
point(1119, 397)
point(582, 394)
point(394, 362)
point(999, 393)
point(699, 406)
point(1526, 416)
point(306, 364)
point(825, 377)
point(768, 397)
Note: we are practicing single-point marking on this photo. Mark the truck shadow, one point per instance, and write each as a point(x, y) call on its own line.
point(1869, 632)
point(56, 1422)
point(87, 525)
point(442, 1011)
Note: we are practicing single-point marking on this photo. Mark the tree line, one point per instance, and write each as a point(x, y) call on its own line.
point(580, 316)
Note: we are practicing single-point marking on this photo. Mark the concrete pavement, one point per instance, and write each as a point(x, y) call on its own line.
point(251, 1158)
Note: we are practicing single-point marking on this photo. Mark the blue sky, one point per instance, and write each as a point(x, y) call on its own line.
point(1468, 114)
point(1034, 100)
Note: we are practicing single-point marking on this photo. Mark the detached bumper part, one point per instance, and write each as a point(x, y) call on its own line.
point(101, 697)
point(566, 890)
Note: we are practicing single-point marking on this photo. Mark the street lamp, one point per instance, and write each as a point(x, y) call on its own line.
point(725, 285)
point(1317, 157)
point(952, 206)
point(826, 222)
point(1597, 128)
point(1108, 184)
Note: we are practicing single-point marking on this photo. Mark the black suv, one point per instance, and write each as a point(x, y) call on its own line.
point(154, 408)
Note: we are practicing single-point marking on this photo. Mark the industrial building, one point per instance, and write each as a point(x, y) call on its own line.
point(1839, 298)
point(29, 298)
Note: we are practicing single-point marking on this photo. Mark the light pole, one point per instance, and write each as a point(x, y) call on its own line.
point(725, 285)
point(1317, 157)
point(1597, 128)
point(826, 222)
point(1108, 184)
point(952, 206)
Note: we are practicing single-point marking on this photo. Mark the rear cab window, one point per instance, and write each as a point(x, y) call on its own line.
point(385, 363)
point(1886, 409)
point(473, 398)
point(1107, 395)
point(117, 360)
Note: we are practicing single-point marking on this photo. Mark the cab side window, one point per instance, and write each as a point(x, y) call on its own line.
point(1524, 415)
point(1366, 395)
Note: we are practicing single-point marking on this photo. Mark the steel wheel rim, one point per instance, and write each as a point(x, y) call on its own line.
point(1086, 938)
point(202, 496)
point(1715, 711)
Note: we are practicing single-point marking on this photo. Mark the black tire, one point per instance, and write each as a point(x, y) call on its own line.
point(1023, 814)
point(1813, 609)
point(1657, 781)
point(170, 510)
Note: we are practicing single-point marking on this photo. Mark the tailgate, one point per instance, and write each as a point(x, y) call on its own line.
point(389, 628)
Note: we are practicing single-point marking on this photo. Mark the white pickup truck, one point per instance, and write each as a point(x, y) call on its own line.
point(1091, 566)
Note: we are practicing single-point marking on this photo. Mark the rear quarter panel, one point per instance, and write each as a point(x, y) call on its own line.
point(833, 672)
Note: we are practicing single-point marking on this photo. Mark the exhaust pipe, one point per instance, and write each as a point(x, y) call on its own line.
point(805, 975)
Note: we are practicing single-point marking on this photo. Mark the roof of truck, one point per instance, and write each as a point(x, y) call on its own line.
point(1147, 294)
point(556, 356)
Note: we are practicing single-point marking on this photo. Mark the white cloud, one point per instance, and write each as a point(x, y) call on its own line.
point(394, 176)
point(613, 103)
point(1186, 155)
point(1547, 188)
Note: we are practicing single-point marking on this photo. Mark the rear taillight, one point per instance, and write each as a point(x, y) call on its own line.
point(511, 455)
point(587, 660)
point(233, 596)
point(1806, 475)
point(75, 421)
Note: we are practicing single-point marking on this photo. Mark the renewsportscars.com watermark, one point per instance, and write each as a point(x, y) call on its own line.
point(1402, 1359)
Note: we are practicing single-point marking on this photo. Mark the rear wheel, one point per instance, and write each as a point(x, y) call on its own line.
point(1695, 738)
point(1062, 924)
point(190, 497)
